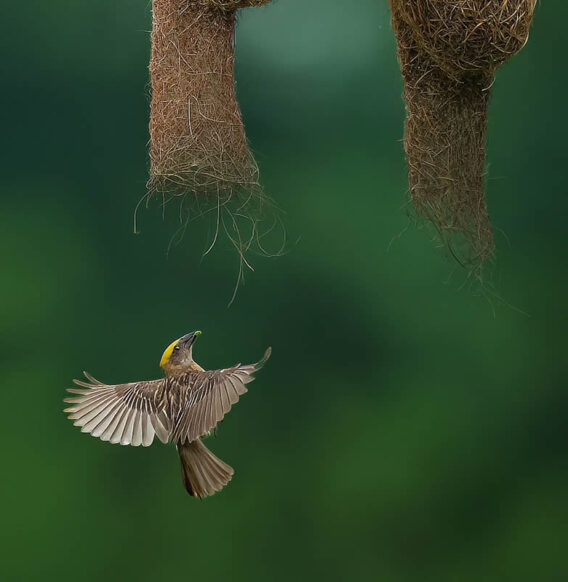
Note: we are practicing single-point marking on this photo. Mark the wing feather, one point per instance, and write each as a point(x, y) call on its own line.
point(207, 396)
point(117, 434)
point(92, 380)
point(161, 425)
point(219, 405)
point(147, 431)
point(120, 413)
point(137, 430)
point(224, 397)
point(126, 437)
point(210, 402)
point(88, 413)
point(85, 402)
point(89, 422)
point(107, 421)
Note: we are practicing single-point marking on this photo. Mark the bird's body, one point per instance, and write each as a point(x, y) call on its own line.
point(182, 407)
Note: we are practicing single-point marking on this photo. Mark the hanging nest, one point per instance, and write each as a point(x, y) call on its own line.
point(198, 144)
point(449, 51)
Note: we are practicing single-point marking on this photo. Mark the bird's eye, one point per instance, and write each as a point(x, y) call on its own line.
point(176, 349)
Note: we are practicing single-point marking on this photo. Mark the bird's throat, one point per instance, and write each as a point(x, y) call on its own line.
point(173, 370)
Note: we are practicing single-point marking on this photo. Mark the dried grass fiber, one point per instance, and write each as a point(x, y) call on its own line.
point(197, 139)
point(449, 51)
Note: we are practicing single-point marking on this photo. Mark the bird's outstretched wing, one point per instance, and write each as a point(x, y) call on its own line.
point(129, 414)
point(203, 398)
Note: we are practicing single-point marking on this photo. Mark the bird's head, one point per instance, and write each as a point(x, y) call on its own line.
point(178, 356)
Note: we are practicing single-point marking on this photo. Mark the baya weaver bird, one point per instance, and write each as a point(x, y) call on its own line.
point(182, 407)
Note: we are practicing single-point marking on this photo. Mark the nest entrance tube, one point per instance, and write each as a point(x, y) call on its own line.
point(449, 51)
point(197, 139)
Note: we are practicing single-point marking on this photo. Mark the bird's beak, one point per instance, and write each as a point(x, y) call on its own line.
point(189, 338)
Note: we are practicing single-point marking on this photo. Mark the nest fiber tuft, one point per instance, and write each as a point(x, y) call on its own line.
point(197, 139)
point(449, 51)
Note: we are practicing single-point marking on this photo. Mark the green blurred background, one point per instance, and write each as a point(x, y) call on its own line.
point(406, 428)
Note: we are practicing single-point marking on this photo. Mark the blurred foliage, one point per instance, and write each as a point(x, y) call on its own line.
point(406, 428)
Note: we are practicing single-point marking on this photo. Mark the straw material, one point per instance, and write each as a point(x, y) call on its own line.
point(449, 51)
point(197, 139)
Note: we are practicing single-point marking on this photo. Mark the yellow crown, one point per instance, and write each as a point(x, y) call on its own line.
point(168, 353)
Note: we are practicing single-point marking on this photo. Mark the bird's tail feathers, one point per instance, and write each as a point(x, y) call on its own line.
point(202, 472)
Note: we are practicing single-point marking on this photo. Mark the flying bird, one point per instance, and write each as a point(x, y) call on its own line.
point(183, 407)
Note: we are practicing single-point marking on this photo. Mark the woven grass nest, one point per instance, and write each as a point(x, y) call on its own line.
point(198, 145)
point(449, 51)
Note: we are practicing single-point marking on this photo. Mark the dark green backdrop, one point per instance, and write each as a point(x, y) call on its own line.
point(406, 428)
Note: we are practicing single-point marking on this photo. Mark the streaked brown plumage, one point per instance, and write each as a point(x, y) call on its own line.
point(182, 407)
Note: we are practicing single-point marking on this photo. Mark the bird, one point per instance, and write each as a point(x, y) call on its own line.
point(184, 407)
